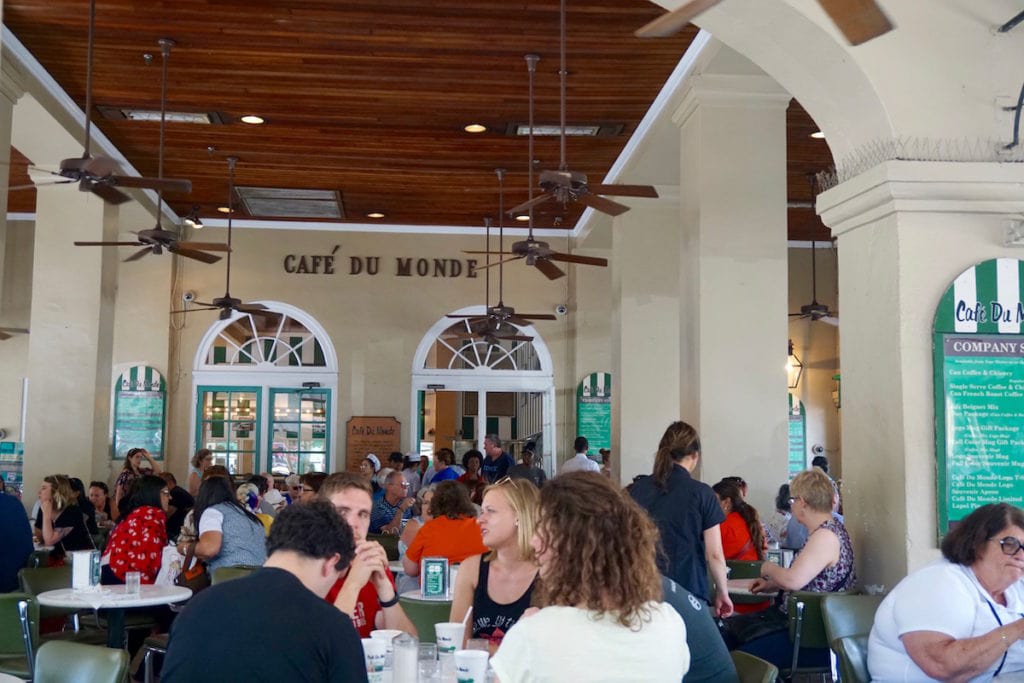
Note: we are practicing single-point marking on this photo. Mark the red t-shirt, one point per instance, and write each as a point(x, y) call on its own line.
point(364, 616)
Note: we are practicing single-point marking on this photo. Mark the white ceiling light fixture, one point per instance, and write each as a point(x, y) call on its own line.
point(818, 135)
point(252, 119)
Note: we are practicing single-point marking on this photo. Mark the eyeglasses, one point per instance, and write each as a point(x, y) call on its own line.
point(165, 492)
point(304, 489)
point(794, 499)
point(1009, 544)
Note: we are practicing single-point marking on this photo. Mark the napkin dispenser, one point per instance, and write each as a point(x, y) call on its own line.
point(85, 569)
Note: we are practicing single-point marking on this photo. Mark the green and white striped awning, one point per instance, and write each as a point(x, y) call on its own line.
point(984, 299)
point(596, 385)
point(141, 378)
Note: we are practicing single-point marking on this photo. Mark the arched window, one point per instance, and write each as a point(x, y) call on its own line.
point(264, 386)
point(464, 387)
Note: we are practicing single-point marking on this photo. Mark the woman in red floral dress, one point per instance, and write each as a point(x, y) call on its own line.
point(137, 542)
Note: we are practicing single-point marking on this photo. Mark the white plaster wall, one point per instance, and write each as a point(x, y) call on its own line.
point(375, 322)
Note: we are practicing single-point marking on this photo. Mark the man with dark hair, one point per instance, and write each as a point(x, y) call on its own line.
point(526, 469)
point(309, 547)
point(580, 462)
point(498, 462)
point(178, 506)
point(310, 484)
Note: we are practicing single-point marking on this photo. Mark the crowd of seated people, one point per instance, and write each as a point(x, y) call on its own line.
point(640, 613)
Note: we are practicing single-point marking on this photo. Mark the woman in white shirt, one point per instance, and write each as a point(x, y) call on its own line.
point(603, 618)
point(958, 618)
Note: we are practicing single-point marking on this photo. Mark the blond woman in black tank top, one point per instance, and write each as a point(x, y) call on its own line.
point(507, 519)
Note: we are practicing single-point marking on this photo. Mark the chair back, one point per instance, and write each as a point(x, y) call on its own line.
point(237, 571)
point(61, 662)
point(38, 558)
point(424, 615)
point(849, 615)
point(744, 569)
point(17, 646)
point(753, 669)
point(41, 579)
point(390, 543)
point(852, 653)
point(806, 624)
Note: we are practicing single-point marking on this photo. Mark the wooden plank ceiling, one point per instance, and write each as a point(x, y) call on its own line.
point(370, 98)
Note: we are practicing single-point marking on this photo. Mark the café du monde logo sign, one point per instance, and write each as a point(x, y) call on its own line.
point(333, 263)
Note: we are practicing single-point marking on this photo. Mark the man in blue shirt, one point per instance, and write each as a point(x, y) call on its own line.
point(394, 506)
point(498, 462)
point(15, 539)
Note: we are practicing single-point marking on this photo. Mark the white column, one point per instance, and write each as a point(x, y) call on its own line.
point(69, 358)
point(905, 231)
point(10, 91)
point(733, 277)
point(645, 331)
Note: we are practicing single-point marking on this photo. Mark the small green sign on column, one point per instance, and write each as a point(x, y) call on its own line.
point(978, 362)
point(594, 410)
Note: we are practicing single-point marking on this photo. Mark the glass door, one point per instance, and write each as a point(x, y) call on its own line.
point(299, 430)
point(228, 423)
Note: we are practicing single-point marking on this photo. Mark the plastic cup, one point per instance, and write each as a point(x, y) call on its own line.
point(471, 666)
point(386, 636)
point(477, 644)
point(449, 636)
point(133, 583)
point(375, 653)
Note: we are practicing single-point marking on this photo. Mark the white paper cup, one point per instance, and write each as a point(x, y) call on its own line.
point(471, 666)
point(374, 652)
point(386, 635)
point(449, 636)
point(133, 582)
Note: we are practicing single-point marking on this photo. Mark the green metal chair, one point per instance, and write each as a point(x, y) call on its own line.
point(753, 669)
point(852, 653)
point(424, 614)
point(806, 628)
point(39, 580)
point(60, 662)
point(744, 569)
point(849, 615)
point(222, 574)
point(38, 558)
point(390, 543)
point(19, 633)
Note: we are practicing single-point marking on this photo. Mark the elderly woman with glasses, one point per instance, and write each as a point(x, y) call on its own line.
point(958, 618)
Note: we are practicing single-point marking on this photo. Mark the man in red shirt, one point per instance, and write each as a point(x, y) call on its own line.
point(366, 591)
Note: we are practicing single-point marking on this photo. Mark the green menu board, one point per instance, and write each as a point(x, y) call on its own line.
point(140, 400)
point(594, 410)
point(978, 348)
point(797, 436)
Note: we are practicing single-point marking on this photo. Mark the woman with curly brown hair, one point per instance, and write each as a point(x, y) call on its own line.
point(603, 618)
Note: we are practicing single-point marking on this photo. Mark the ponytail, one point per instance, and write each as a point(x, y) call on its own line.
point(679, 441)
point(727, 490)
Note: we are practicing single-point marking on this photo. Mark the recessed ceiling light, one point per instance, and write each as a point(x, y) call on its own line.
point(475, 128)
point(553, 131)
point(523, 217)
point(818, 135)
point(375, 214)
point(252, 119)
point(223, 209)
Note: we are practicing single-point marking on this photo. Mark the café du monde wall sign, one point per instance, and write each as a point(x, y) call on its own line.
point(978, 347)
point(140, 405)
point(594, 410)
point(333, 263)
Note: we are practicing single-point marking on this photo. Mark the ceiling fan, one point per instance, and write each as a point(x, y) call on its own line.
point(101, 175)
point(8, 332)
point(157, 240)
point(499, 322)
point(858, 20)
point(566, 185)
point(227, 304)
point(814, 310)
point(537, 253)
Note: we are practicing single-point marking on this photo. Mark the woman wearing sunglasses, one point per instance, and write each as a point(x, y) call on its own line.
point(958, 618)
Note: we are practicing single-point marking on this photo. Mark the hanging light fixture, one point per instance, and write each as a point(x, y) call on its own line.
point(193, 220)
point(794, 368)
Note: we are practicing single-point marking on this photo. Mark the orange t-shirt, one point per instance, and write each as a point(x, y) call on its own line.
point(455, 539)
point(736, 541)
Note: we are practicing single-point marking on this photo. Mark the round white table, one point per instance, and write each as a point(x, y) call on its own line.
point(115, 601)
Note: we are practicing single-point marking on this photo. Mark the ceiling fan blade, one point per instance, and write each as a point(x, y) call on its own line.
point(574, 258)
point(165, 184)
point(108, 244)
point(552, 271)
point(535, 316)
point(624, 190)
point(603, 205)
point(192, 254)
point(673, 22)
point(194, 309)
point(526, 206)
point(139, 254)
point(98, 166)
point(498, 263)
point(830, 320)
point(251, 308)
point(32, 186)
point(516, 337)
point(204, 246)
point(4, 335)
point(859, 20)
point(799, 315)
point(104, 192)
point(8, 332)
